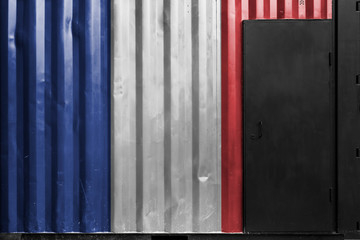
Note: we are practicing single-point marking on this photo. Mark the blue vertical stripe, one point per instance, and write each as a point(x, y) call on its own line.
point(55, 124)
point(12, 119)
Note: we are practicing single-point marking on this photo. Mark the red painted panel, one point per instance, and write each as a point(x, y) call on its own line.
point(233, 12)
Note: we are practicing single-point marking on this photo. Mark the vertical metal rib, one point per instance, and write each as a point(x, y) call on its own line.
point(195, 111)
point(167, 114)
point(139, 115)
point(153, 115)
point(181, 116)
point(125, 107)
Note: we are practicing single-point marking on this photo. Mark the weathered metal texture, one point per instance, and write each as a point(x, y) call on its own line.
point(166, 116)
point(55, 120)
point(233, 12)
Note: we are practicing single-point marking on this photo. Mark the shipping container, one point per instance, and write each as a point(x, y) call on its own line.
point(127, 116)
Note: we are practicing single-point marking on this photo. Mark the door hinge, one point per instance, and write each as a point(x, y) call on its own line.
point(330, 60)
point(330, 194)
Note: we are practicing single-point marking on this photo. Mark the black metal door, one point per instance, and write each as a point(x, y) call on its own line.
point(348, 121)
point(288, 126)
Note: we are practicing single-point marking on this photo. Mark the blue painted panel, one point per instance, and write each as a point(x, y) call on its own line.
point(55, 116)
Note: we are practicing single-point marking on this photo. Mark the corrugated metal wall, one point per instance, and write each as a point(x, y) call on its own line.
point(233, 12)
point(55, 125)
point(165, 111)
point(166, 116)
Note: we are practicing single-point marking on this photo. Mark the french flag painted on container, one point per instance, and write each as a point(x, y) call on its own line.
point(125, 115)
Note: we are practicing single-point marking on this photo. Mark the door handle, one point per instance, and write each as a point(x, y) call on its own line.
point(260, 126)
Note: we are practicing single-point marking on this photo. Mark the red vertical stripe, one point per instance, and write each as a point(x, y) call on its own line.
point(280, 8)
point(309, 9)
point(266, 8)
point(231, 127)
point(324, 9)
point(295, 8)
point(252, 9)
